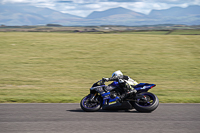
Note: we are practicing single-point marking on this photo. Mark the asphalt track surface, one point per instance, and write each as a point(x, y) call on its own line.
point(69, 118)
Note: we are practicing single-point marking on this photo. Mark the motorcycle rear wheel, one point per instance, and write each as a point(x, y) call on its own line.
point(149, 105)
point(89, 106)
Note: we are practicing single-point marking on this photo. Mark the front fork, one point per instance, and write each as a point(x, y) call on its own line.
point(92, 99)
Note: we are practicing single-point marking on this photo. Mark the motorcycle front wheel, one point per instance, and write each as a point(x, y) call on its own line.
point(90, 106)
point(148, 104)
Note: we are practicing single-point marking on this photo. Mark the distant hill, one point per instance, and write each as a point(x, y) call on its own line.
point(114, 12)
point(176, 15)
point(21, 14)
point(176, 12)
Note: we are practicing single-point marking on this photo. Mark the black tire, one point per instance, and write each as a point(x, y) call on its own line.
point(149, 106)
point(88, 106)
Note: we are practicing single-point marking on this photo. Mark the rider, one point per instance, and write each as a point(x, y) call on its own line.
point(125, 81)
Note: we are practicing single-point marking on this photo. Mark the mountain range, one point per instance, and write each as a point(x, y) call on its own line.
point(21, 14)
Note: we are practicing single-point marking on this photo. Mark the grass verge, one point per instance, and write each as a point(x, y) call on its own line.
point(61, 67)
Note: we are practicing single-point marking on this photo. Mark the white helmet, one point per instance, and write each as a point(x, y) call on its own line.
point(117, 73)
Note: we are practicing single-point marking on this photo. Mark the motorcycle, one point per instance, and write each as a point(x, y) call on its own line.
point(107, 97)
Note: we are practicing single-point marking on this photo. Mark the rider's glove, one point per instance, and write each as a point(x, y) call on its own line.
point(121, 81)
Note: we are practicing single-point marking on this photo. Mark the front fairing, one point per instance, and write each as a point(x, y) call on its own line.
point(98, 89)
point(106, 95)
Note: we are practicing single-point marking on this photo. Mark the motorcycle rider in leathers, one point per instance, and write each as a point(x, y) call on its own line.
point(125, 81)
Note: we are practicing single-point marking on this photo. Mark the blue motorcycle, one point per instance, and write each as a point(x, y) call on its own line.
point(107, 97)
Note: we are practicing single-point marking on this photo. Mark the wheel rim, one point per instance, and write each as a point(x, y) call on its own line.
point(149, 100)
point(88, 104)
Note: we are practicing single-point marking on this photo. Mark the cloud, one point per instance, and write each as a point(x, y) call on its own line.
point(123, 0)
point(23, 1)
point(64, 1)
point(85, 7)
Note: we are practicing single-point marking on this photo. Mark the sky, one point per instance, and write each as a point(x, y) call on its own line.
point(84, 7)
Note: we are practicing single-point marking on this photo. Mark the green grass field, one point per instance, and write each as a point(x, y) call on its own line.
point(61, 67)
